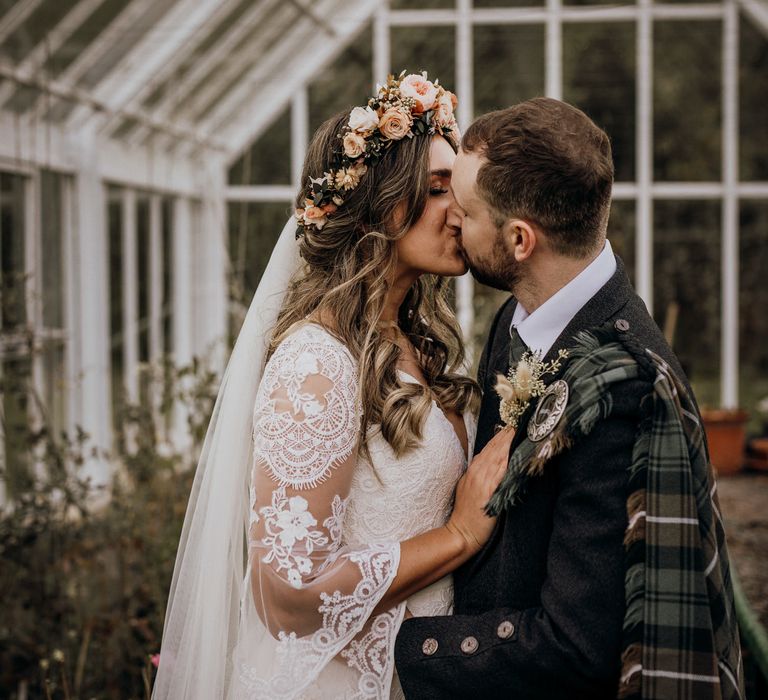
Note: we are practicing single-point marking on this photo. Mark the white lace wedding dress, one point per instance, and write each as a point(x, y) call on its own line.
point(325, 527)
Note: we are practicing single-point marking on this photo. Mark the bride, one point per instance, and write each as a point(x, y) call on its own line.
point(335, 466)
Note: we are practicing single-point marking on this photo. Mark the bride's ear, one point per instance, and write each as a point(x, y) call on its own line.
point(522, 238)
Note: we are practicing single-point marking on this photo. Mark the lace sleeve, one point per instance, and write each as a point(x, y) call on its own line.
point(312, 593)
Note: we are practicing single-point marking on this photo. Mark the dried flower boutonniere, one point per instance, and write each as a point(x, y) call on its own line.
point(523, 383)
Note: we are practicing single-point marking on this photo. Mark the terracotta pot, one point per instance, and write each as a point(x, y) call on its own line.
point(757, 453)
point(725, 429)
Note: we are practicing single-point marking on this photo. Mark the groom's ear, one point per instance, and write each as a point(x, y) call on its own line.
point(522, 238)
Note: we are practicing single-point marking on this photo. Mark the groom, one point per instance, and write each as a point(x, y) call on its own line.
point(550, 607)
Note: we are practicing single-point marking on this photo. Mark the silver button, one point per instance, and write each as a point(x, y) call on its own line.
point(505, 630)
point(469, 645)
point(429, 647)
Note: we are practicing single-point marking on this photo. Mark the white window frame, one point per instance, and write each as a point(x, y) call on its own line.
point(643, 190)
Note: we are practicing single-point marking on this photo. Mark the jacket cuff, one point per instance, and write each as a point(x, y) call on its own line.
point(423, 639)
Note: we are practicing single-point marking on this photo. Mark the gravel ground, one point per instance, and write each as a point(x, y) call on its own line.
point(744, 503)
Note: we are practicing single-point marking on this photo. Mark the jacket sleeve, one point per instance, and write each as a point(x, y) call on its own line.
point(569, 645)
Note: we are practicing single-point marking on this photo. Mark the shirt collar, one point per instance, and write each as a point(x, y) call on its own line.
point(542, 328)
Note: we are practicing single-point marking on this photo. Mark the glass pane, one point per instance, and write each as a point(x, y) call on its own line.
point(422, 4)
point(54, 372)
point(599, 78)
point(496, 48)
point(228, 74)
point(195, 56)
point(22, 99)
point(83, 36)
point(152, 15)
point(33, 29)
point(12, 273)
point(167, 309)
point(51, 222)
point(686, 100)
point(507, 3)
point(116, 313)
point(100, 68)
point(753, 106)
point(431, 49)
point(594, 2)
point(753, 301)
point(167, 296)
point(143, 271)
point(686, 284)
point(621, 233)
point(15, 382)
point(346, 83)
point(253, 231)
point(268, 160)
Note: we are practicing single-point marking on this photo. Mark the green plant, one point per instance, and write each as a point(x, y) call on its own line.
point(83, 587)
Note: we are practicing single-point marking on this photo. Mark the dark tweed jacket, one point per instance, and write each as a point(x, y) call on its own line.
point(554, 566)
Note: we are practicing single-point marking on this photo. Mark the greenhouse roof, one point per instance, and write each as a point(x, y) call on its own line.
point(211, 72)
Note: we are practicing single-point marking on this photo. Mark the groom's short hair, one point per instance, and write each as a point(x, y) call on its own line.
point(548, 163)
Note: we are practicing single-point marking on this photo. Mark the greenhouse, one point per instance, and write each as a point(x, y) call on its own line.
point(151, 151)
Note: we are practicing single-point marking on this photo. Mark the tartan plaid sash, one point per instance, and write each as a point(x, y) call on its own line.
point(681, 637)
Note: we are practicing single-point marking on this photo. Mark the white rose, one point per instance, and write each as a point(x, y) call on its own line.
point(363, 120)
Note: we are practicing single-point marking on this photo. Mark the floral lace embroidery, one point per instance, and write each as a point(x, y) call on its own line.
point(288, 521)
point(300, 447)
point(300, 658)
point(371, 656)
point(335, 520)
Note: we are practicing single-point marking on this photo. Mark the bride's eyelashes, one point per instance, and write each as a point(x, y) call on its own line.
point(437, 191)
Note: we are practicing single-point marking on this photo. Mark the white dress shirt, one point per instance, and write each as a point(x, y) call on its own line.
point(542, 328)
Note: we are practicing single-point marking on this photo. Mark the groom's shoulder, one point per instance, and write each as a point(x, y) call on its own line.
point(646, 331)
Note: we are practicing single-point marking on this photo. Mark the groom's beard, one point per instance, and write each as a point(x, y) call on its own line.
point(499, 269)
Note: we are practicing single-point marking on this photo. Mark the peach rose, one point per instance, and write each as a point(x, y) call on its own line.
point(395, 124)
point(421, 90)
point(354, 144)
point(444, 109)
point(315, 216)
point(363, 120)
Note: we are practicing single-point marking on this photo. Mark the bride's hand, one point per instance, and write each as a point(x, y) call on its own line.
point(475, 489)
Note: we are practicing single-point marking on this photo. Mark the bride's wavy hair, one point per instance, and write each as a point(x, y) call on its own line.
point(345, 279)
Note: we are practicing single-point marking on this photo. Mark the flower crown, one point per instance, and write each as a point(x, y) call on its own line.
point(407, 106)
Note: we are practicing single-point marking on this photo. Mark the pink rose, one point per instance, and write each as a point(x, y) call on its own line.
point(395, 124)
point(354, 144)
point(421, 90)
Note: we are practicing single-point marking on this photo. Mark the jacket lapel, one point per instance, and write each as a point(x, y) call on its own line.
point(601, 307)
point(608, 300)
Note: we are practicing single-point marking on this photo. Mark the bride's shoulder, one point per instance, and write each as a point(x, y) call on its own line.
point(307, 345)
